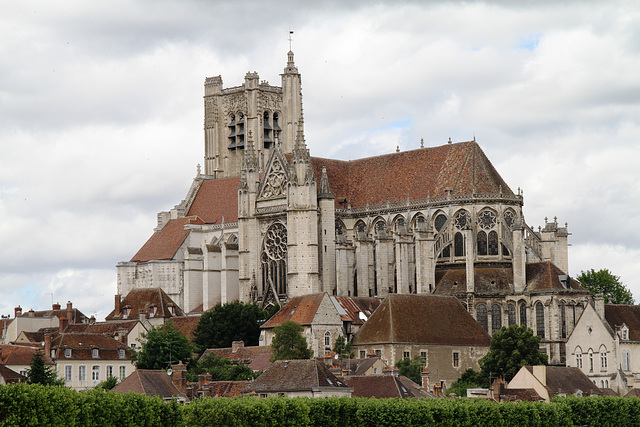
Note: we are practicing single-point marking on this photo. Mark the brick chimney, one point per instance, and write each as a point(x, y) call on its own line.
point(92, 320)
point(63, 322)
point(55, 306)
point(235, 345)
point(179, 377)
point(47, 344)
point(116, 305)
point(424, 376)
point(69, 311)
point(17, 311)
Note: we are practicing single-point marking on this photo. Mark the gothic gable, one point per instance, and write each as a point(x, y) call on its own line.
point(274, 182)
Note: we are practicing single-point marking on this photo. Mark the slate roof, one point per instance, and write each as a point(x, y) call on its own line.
point(20, 355)
point(149, 382)
point(385, 386)
point(418, 174)
point(295, 375)
point(301, 310)
point(255, 357)
point(82, 344)
point(567, 380)
point(421, 319)
point(163, 244)
point(142, 299)
point(10, 376)
point(618, 314)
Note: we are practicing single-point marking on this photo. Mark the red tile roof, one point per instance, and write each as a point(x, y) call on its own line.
point(418, 174)
point(567, 380)
point(618, 314)
point(544, 275)
point(164, 244)
point(149, 382)
point(141, 299)
point(301, 310)
point(185, 324)
point(82, 345)
point(255, 357)
point(20, 355)
point(354, 305)
point(9, 376)
point(385, 386)
point(106, 328)
point(217, 200)
point(295, 375)
point(486, 280)
point(442, 320)
point(224, 388)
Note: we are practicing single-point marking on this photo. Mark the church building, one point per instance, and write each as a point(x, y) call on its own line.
point(267, 222)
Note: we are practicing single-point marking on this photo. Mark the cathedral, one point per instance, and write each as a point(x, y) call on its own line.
point(267, 222)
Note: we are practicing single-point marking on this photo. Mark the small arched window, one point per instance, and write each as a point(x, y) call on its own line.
point(327, 339)
point(421, 223)
point(482, 243)
point(540, 319)
point(481, 316)
point(493, 243)
point(458, 244)
point(604, 363)
point(590, 360)
point(523, 313)
point(496, 318)
point(578, 353)
point(511, 309)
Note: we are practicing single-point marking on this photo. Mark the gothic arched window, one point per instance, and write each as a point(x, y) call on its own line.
point(274, 260)
point(440, 221)
point(458, 244)
point(563, 321)
point(540, 319)
point(511, 309)
point(421, 223)
point(523, 313)
point(493, 243)
point(481, 316)
point(496, 318)
point(578, 357)
point(603, 357)
point(482, 243)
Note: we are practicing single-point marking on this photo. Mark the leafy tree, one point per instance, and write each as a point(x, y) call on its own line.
point(343, 348)
point(40, 373)
point(511, 348)
point(411, 369)
point(222, 369)
point(605, 283)
point(164, 345)
point(107, 384)
point(234, 321)
point(468, 379)
point(288, 342)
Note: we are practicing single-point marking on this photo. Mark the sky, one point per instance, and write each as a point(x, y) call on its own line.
point(101, 115)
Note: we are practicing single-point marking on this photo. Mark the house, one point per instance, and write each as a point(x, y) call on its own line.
point(83, 360)
point(386, 386)
point(605, 345)
point(551, 381)
point(8, 376)
point(294, 378)
point(257, 358)
point(436, 328)
point(129, 332)
point(32, 321)
point(151, 305)
point(324, 318)
point(152, 383)
point(18, 357)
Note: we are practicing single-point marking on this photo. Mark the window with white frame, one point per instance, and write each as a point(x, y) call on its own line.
point(94, 353)
point(95, 373)
point(625, 333)
point(327, 339)
point(590, 360)
point(603, 358)
point(109, 371)
point(578, 353)
point(67, 353)
point(82, 373)
point(68, 373)
point(121, 353)
point(123, 372)
point(626, 361)
point(456, 359)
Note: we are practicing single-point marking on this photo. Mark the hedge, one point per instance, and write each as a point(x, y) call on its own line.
point(35, 405)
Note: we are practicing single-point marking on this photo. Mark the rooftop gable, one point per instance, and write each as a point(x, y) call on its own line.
point(443, 321)
point(567, 380)
point(618, 314)
point(301, 310)
point(141, 300)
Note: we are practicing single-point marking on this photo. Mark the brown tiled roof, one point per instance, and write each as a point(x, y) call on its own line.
point(82, 344)
point(163, 244)
point(568, 380)
point(299, 309)
point(355, 366)
point(255, 357)
point(20, 355)
point(634, 392)
point(149, 382)
point(76, 315)
point(142, 299)
point(217, 199)
point(226, 388)
point(185, 324)
point(295, 375)
point(522, 394)
point(11, 376)
point(544, 275)
point(106, 328)
point(486, 280)
point(385, 386)
point(38, 336)
point(421, 319)
point(418, 174)
point(618, 314)
point(353, 305)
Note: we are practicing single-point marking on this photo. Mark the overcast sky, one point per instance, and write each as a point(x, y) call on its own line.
point(101, 115)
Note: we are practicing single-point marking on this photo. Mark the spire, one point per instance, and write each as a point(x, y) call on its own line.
point(291, 66)
point(325, 191)
point(300, 150)
point(250, 161)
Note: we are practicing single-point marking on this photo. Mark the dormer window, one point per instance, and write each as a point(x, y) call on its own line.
point(125, 312)
point(121, 353)
point(94, 353)
point(625, 332)
point(152, 311)
point(67, 353)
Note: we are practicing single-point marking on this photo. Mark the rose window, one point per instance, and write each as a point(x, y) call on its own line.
point(462, 220)
point(486, 220)
point(509, 218)
point(276, 242)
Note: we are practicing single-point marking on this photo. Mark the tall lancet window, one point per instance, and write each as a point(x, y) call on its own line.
point(274, 260)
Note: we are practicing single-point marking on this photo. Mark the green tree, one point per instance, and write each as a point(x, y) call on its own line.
point(468, 379)
point(411, 369)
point(162, 346)
point(234, 321)
point(288, 342)
point(343, 348)
point(605, 283)
point(511, 348)
point(40, 373)
point(107, 384)
point(222, 369)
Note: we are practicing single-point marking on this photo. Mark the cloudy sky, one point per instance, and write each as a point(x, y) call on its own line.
point(101, 115)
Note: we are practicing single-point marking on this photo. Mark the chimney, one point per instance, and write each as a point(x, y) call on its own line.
point(69, 311)
point(117, 305)
point(599, 305)
point(63, 322)
point(345, 372)
point(142, 315)
point(47, 344)
point(17, 311)
point(390, 372)
point(179, 377)
point(235, 345)
point(424, 376)
point(335, 370)
point(30, 313)
point(55, 306)
point(92, 320)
